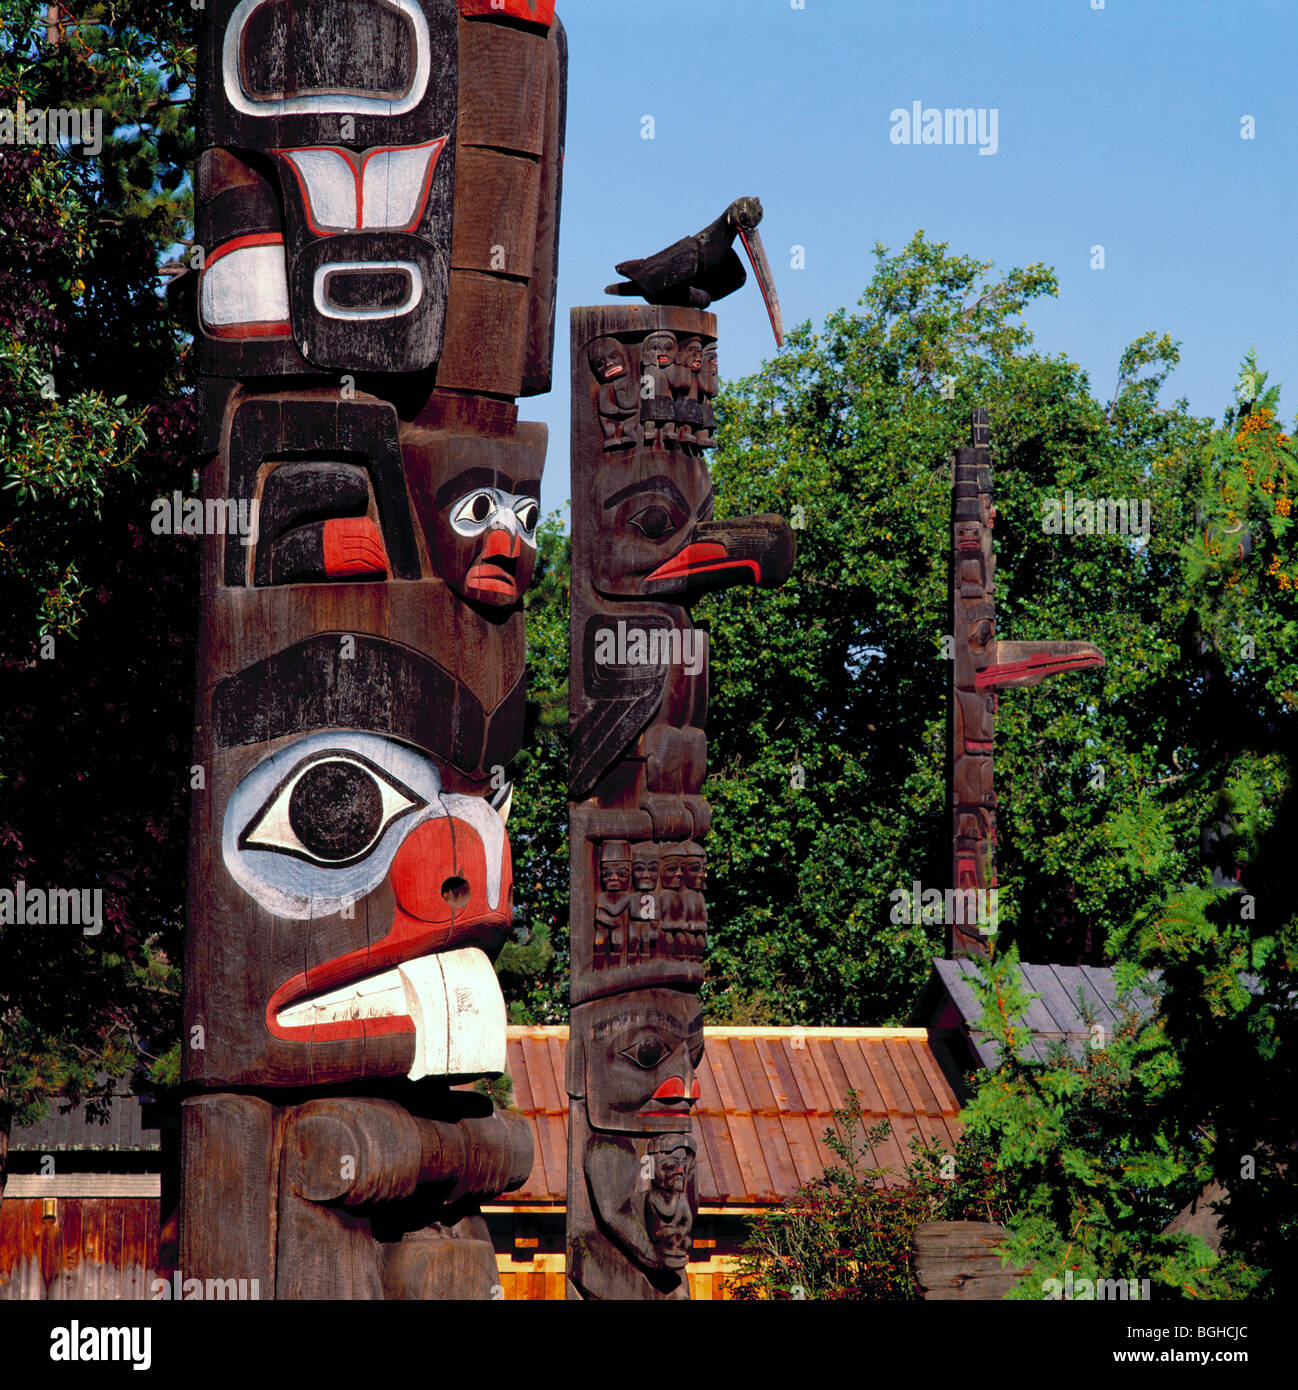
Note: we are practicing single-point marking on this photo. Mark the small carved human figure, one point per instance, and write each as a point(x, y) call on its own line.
point(694, 872)
point(684, 377)
point(670, 1205)
point(643, 927)
point(671, 910)
point(657, 408)
point(613, 905)
point(619, 392)
point(709, 382)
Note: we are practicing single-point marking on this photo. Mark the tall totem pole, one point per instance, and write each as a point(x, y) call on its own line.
point(982, 667)
point(378, 207)
point(645, 546)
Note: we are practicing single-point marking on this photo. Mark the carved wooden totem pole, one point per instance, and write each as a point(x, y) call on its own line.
point(378, 204)
point(645, 546)
point(983, 666)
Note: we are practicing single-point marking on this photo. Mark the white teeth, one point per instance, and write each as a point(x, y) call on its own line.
point(380, 996)
point(453, 997)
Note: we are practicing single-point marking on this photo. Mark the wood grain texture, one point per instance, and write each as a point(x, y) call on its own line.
point(960, 1261)
point(361, 655)
point(645, 546)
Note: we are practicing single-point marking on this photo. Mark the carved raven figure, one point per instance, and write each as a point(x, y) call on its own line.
point(698, 269)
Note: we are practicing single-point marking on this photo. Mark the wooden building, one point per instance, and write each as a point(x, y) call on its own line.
point(97, 1227)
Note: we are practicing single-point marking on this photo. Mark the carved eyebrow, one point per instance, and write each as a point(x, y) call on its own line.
point(658, 484)
point(473, 478)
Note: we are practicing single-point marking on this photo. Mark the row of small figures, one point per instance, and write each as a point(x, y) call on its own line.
point(650, 903)
point(662, 401)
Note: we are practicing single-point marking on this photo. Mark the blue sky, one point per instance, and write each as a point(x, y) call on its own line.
point(1118, 126)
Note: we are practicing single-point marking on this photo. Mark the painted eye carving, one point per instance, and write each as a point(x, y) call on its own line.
point(473, 512)
point(528, 514)
point(332, 809)
point(654, 522)
point(647, 1053)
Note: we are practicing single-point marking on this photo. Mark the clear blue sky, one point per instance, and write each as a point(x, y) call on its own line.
point(1118, 126)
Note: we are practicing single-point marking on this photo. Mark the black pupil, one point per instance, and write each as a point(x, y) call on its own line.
point(335, 810)
point(528, 517)
point(654, 522)
point(481, 507)
point(649, 1053)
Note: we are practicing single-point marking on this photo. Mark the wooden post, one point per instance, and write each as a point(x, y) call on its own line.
point(983, 666)
point(645, 546)
point(378, 205)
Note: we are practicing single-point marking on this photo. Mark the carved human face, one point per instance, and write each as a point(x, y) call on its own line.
point(607, 359)
point(644, 868)
point(659, 350)
point(691, 354)
point(673, 1198)
point(670, 873)
point(484, 536)
point(614, 875)
point(643, 1050)
point(694, 870)
point(644, 1195)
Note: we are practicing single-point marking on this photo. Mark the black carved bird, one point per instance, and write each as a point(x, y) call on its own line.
point(698, 269)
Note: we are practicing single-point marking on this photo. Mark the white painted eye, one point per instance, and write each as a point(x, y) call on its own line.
point(332, 809)
point(473, 512)
point(528, 514)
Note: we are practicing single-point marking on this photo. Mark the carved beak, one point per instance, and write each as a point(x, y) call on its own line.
point(762, 269)
point(741, 550)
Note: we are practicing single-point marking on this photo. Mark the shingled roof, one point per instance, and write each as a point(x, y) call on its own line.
point(949, 1006)
point(767, 1099)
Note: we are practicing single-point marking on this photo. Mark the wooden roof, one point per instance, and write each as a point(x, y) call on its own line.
point(1056, 1015)
point(768, 1094)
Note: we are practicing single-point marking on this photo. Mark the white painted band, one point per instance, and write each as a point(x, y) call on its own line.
point(331, 311)
point(322, 104)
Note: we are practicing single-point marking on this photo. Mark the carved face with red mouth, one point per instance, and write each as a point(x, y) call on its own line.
point(483, 536)
point(346, 827)
point(644, 1047)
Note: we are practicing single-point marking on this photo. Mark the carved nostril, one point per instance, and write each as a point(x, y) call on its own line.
point(456, 892)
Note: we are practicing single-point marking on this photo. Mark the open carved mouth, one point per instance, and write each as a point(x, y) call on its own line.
point(450, 1000)
point(494, 575)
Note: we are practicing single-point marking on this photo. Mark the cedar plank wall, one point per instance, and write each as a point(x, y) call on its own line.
point(96, 1247)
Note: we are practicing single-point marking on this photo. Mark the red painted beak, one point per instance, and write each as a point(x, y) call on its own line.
point(703, 558)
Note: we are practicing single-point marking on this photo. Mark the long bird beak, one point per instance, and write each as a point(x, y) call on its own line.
point(762, 269)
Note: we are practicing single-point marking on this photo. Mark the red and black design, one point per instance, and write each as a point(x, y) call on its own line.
point(379, 208)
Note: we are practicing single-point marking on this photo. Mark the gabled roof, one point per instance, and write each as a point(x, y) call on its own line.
point(128, 1127)
point(1057, 1016)
point(767, 1099)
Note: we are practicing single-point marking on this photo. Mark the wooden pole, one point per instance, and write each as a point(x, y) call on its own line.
point(378, 205)
point(645, 546)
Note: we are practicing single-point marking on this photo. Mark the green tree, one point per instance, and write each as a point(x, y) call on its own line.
point(96, 661)
point(1101, 1152)
point(827, 731)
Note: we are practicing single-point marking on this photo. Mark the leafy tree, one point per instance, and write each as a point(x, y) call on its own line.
point(96, 666)
point(827, 734)
point(1100, 1153)
point(533, 967)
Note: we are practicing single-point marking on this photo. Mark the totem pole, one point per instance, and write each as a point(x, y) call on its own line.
point(645, 547)
point(378, 207)
point(982, 667)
